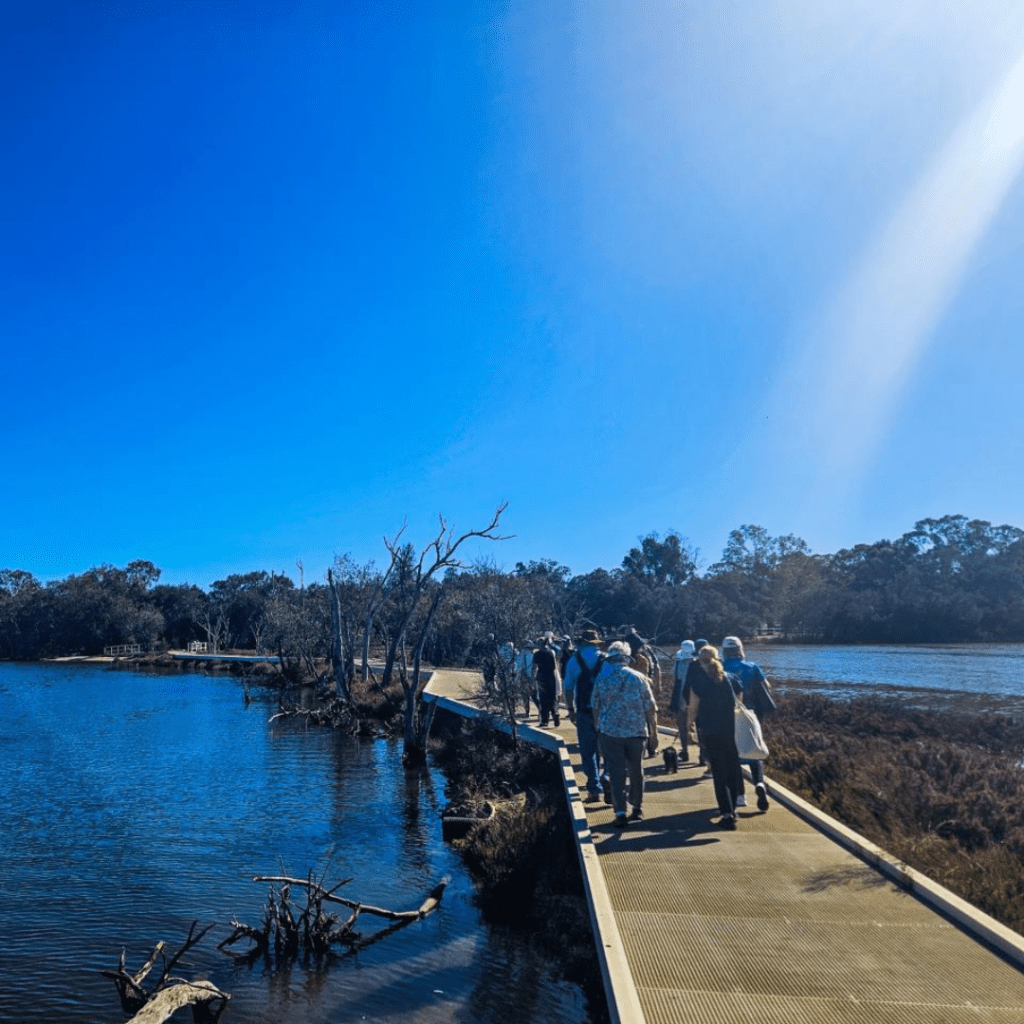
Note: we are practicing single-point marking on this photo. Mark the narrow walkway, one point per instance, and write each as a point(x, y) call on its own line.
point(776, 923)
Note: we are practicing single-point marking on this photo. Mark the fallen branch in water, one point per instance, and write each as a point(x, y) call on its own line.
point(170, 994)
point(339, 713)
point(287, 928)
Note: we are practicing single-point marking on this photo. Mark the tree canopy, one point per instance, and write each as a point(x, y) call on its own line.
point(947, 579)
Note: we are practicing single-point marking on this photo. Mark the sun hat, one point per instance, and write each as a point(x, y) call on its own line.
point(590, 636)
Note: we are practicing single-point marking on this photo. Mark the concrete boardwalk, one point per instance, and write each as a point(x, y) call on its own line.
point(776, 923)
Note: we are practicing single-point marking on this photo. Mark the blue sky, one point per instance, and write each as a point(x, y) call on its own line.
point(277, 277)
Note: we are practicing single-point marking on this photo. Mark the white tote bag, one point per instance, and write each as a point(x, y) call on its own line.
point(749, 739)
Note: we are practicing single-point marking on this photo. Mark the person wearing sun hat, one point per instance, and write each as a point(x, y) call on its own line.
point(683, 660)
point(627, 720)
point(757, 696)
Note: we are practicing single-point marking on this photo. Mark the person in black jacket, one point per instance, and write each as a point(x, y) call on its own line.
point(546, 680)
point(712, 699)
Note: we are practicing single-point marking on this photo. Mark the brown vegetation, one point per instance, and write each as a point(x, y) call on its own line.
point(524, 858)
point(941, 790)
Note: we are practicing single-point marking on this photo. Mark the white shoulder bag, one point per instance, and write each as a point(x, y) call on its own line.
point(749, 738)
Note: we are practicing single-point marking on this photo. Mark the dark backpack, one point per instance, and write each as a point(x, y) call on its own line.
point(585, 681)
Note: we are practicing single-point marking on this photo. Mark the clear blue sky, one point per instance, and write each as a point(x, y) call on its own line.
point(278, 276)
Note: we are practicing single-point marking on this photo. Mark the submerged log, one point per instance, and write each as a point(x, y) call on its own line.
point(169, 994)
point(202, 996)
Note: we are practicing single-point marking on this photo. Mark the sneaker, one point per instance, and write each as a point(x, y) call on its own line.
point(607, 787)
point(762, 797)
point(620, 821)
point(728, 822)
point(558, 721)
point(684, 756)
point(636, 814)
point(707, 774)
point(592, 798)
point(741, 800)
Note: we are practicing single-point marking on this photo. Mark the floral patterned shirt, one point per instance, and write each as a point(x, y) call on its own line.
point(622, 700)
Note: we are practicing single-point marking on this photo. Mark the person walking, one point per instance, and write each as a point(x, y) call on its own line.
point(756, 691)
point(524, 677)
point(677, 704)
point(645, 660)
point(711, 702)
point(580, 672)
point(546, 679)
point(687, 691)
point(565, 652)
point(626, 718)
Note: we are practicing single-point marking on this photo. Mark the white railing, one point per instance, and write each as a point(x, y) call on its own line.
point(198, 647)
point(117, 649)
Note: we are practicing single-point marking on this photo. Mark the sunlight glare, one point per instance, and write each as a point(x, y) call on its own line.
point(846, 386)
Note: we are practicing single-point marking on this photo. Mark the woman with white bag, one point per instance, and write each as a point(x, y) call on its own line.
point(756, 696)
point(712, 702)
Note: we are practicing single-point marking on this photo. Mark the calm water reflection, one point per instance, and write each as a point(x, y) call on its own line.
point(844, 671)
point(134, 804)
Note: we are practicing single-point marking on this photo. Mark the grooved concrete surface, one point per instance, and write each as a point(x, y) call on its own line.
point(775, 923)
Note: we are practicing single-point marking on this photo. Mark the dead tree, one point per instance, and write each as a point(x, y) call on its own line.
point(288, 929)
point(341, 677)
point(440, 554)
point(169, 994)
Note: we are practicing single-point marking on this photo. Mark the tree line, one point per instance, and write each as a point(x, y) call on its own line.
point(949, 579)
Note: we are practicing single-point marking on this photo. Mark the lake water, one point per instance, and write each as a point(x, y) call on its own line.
point(989, 675)
point(131, 805)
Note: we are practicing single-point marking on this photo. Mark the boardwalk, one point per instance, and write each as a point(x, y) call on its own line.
point(776, 923)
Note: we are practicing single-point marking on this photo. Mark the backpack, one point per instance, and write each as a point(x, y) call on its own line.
point(585, 682)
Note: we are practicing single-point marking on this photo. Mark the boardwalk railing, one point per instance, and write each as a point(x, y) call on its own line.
point(117, 650)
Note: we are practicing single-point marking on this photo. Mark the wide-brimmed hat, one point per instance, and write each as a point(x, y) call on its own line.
point(686, 649)
point(732, 643)
point(590, 636)
point(618, 651)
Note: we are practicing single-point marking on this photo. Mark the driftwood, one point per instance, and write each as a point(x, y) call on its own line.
point(338, 712)
point(287, 929)
point(170, 994)
point(200, 995)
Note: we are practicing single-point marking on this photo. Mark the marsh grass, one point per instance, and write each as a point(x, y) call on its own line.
point(942, 790)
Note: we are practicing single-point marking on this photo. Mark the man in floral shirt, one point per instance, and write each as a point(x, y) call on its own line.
point(626, 718)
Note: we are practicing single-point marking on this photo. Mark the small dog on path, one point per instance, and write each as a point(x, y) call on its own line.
point(671, 760)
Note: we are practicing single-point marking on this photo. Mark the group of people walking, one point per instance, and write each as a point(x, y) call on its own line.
point(707, 687)
point(609, 697)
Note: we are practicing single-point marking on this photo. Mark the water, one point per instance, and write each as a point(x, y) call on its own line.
point(135, 804)
point(992, 674)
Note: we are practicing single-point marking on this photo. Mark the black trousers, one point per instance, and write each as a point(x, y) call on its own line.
point(724, 760)
point(546, 694)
